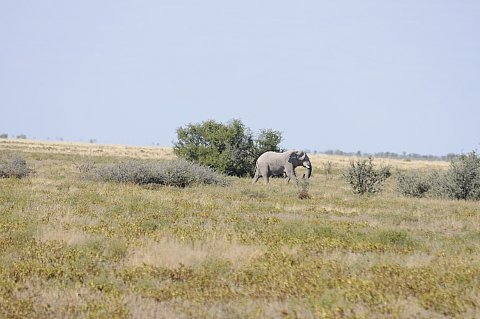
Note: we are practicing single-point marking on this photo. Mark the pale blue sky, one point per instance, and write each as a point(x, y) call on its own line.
point(370, 75)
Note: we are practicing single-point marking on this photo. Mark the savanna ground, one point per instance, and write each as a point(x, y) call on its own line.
point(71, 248)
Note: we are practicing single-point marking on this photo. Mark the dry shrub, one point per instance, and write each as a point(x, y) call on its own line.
point(179, 173)
point(364, 178)
point(14, 166)
point(461, 181)
point(303, 186)
point(413, 185)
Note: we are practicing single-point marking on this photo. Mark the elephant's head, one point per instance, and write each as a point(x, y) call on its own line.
point(300, 158)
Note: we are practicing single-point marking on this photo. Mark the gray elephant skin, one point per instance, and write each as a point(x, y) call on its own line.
point(273, 164)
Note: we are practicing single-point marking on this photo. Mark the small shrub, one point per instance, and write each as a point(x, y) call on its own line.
point(16, 166)
point(303, 186)
point(413, 185)
point(364, 177)
point(439, 181)
point(462, 180)
point(327, 168)
point(179, 173)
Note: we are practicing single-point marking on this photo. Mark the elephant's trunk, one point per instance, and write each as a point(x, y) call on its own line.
point(309, 172)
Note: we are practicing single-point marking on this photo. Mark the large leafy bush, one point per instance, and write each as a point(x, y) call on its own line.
point(231, 148)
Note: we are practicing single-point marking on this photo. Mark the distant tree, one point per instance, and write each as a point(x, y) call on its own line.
point(228, 148)
point(22, 136)
point(4, 135)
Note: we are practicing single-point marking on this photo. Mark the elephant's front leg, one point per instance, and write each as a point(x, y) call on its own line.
point(290, 172)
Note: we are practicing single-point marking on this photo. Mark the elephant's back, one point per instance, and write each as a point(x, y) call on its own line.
point(269, 155)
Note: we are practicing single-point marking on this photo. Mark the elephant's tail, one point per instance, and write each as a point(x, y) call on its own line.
point(255, 175)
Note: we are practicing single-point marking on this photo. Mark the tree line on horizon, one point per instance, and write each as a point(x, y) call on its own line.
point(393, 155)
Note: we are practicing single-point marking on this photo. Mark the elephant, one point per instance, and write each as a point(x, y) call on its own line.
point(273, 164)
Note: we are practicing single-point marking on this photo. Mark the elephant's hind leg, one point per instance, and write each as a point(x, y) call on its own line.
point(255, 178)
point(265, 179)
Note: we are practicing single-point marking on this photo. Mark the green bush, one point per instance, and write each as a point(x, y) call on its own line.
point(179, 173)
point(462, 180)
point(364, 178)
point(14, 166)
point(230, 149)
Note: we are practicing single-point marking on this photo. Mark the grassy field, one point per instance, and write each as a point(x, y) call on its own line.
point(71, 248)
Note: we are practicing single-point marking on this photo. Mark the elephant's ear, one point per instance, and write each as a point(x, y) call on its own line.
point(292, 156)
point(300, 155)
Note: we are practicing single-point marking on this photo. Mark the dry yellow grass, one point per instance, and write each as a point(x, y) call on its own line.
point(51, 232)
point(144, 152)
point(169, 252)
point(89, 149)
point(342, 161)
